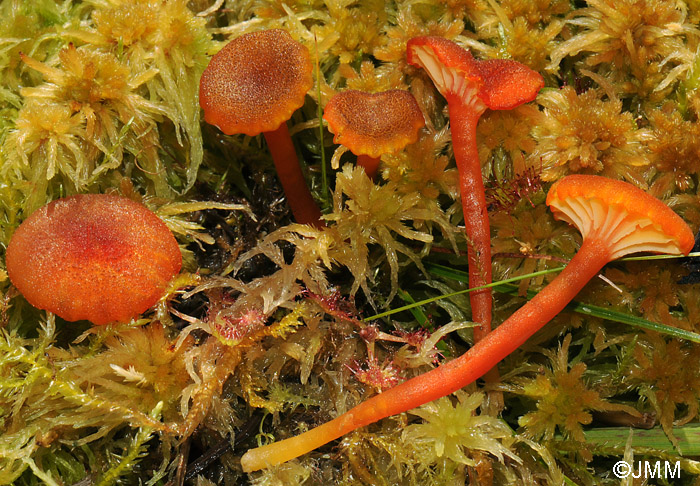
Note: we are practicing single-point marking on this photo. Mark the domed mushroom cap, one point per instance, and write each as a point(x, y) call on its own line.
point(629, 219)
point(99, 257)
point(501, 84)
point(255, 82)
point(374, 123)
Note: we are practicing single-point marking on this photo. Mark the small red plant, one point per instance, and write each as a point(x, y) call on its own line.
point(504, 195)
point(233, 329)
point(380, 377)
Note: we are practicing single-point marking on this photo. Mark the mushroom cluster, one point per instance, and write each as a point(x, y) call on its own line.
point(107, 259)
point(614, 218)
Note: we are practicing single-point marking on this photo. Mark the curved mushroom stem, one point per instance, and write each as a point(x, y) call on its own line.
point(370, 164)
point(463, 120)
point(452, 376)
point(304, 208)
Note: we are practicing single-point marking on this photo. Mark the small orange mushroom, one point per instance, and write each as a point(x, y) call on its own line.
point(373, 124)
point(615, 219)
point(470, 87)
point(252, 86)
point(99, 257)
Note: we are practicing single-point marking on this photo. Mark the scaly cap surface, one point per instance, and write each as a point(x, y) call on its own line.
point(255, 82)
point(374, 123)
point(99, 257)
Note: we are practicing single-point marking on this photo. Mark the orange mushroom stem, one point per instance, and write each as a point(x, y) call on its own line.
point(373, 124)
point(254, 85)
point(470, 87)
point(615, 219)
point(370, 164)
point(99, 257)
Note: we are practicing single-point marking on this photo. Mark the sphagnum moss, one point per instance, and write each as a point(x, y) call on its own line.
point(106, 98)
point(582, 133)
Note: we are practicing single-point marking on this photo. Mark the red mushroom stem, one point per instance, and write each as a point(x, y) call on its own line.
point(451, 376)
point(370, 164)
point(463, 121)
point(470, 87)
point(615, 219)
point(299, 198)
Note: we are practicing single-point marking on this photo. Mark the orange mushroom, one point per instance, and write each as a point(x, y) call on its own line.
point(373, 124)
point(99, 257)
point(470, 87)
point(615, 219)
point(252, 86)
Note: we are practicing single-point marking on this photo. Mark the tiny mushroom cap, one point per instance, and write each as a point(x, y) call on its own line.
point(99, 257)
point(374, 123)
point(626, 217)
point(500, 84)
point(255, 82)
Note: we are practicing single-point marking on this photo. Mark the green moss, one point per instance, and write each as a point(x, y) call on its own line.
point(102, 96)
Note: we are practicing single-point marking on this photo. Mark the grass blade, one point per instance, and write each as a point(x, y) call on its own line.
point(688, 438)
point(505, 286)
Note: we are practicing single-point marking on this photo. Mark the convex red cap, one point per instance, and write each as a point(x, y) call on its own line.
point(374, 123)
point(99, 257)
point(501, 84)
point(255, 82)
point(620, 215)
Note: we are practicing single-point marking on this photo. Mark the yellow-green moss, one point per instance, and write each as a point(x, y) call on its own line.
point(263, 336)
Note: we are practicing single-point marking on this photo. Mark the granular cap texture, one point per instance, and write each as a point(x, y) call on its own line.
point(374, 123)
point(99, 257)
point(255, 82)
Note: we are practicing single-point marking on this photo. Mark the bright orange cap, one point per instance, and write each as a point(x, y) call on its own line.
point(501, 84)
point(618, 212)
point(374, 123)
point(98, 257)
point(255, 82)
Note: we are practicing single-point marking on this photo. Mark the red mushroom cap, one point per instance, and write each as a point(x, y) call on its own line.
point(628, 219)
point(255, 82)
point(374, 123)
point(501, 84)
point(99, 257)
